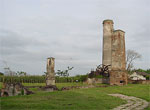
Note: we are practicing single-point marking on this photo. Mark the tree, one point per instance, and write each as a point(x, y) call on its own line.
point(1, 74)
point(131, 56)
point(148, 71)
point(21, 73)
point(64, 73)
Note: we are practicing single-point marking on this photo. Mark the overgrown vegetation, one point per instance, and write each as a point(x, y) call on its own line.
point(41, 79)
point(23, 79)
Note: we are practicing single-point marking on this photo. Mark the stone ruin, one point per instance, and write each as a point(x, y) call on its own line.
point(14, 89)
point(113, 67)
point(113, 58)
point(50, 76)
point(114, 53)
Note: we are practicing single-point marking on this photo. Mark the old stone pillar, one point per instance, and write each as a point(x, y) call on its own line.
point(50, 77)
point(118, 74)
point(107, 33)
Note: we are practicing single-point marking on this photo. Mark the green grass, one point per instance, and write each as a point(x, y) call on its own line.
point(77, 99)
point(59, 85)
point(84, 99)
point(34, 84)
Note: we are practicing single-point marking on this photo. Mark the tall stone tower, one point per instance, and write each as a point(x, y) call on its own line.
point(114, 53)
point(50, 77)
point(107, 34)
point(118, 74)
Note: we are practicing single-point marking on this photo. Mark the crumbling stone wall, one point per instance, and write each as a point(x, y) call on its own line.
point(50, 76)
point(118, 50)
point(91, 81)
point(14, 89)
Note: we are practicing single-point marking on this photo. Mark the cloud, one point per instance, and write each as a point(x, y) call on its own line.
point(70, 31)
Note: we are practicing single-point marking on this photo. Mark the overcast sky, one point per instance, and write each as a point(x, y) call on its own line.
point(70, 31)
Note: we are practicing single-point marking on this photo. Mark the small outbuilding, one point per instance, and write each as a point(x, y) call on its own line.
point(135, 76)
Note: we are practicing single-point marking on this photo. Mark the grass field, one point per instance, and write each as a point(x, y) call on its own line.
point(77, 99)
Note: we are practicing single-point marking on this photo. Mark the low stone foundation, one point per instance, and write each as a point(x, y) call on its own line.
point(91, 81)
point(49, 88)
point(139, 81)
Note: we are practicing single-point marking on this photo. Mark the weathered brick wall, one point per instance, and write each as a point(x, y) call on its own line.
point(118, 77)
point(118, 50)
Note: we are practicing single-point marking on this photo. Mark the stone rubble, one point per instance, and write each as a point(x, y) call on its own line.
point(14, 89)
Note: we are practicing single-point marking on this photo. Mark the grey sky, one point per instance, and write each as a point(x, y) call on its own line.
point(70, 31)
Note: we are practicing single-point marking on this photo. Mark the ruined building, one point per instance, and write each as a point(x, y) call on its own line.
point(50, 76)
point(114, 53)
point(14, 89)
